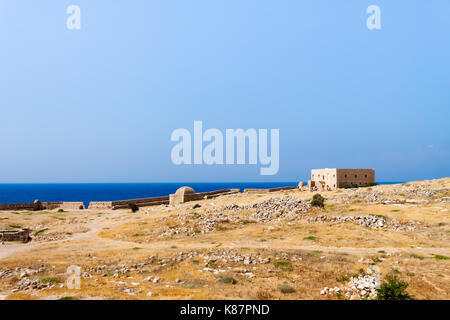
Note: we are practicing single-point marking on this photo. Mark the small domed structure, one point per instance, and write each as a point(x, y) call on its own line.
point(181, 195)
point(184, 190)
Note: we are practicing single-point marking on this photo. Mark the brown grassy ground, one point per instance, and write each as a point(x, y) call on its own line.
point(307, 256)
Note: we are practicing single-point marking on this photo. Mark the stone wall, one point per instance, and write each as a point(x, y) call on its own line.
point(268, 190)
point(175, 198)
point(15, 235)
point(42, 206)
point(122, 204)
point(100, 205)
point(17, 206)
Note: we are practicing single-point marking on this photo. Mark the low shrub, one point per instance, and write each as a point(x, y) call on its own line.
point(50, 280)
point(227, 279)
point(318, 201)
point(284, 265)
point(286, 288)
point(393, 289)
point(133, 207)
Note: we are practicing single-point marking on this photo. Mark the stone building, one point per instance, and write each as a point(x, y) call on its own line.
point(331, 179)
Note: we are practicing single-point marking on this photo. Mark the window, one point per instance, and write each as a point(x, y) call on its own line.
point(356, 176)
point(366, 175)
point(345, 176)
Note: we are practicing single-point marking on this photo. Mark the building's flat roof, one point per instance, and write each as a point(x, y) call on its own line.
point(344, 169)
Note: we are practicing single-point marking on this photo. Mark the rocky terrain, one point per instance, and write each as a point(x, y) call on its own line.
point(243, 246)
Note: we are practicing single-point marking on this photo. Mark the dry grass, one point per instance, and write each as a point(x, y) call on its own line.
point(328, 252)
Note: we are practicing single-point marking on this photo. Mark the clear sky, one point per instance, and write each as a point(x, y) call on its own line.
point(99, 104)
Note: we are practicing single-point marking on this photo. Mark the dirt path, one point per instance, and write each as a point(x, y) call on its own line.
point(9, 249)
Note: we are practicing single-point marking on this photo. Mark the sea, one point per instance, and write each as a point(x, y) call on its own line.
point(87, 192)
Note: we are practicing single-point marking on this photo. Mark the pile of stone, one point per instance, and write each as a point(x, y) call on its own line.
point(50, 236)
point(445, 199)
point(386, 197)
point(20, 272)
point(370, 221)
point(274, 209)
point(225, 256)
point(372, 196)
point(361, 287)
point(6, 273)
point(29, 284)
point(421, 192)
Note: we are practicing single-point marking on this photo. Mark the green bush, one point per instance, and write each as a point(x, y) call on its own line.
point(133, 206)
point(227, 279)
point(318, 201)
point(286, 288)
point(50, 280)
point(393, 289)
point(284, 265)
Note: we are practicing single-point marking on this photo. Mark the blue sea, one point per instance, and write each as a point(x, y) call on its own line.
point(86, 192)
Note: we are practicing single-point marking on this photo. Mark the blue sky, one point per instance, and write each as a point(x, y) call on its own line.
point(99, 104)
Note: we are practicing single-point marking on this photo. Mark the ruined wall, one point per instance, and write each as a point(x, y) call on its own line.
point(17, 206)
point(42, 206)
point(175, 198)
point(268, 190)
point(15, 235)
point(100, 205)
point(122, 204)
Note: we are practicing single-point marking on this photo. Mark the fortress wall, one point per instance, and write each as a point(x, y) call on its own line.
point(63, 205)
point(268, 190)
point(43, 206)
point(140, 201)
point(17, 206)
point(256, 190)
point(207, 195)
point(100, 205)
point(282, 188)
